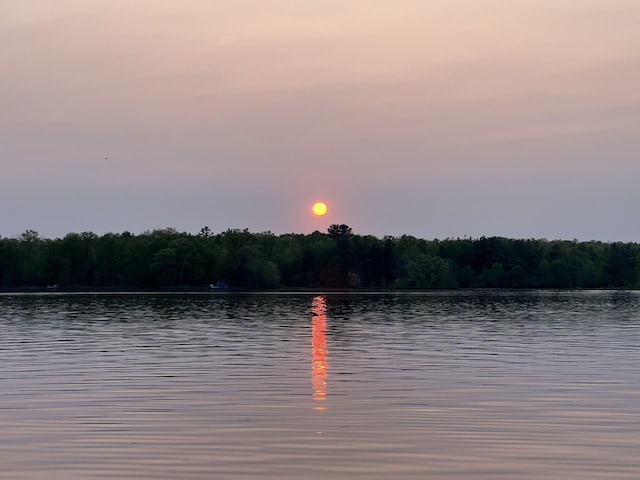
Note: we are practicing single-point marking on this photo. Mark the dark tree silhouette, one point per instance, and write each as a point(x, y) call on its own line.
point(167, 258)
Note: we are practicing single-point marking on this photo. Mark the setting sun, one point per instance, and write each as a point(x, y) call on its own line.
point(319, 208)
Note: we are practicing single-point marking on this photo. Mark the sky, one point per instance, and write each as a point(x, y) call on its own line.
point(438, 119)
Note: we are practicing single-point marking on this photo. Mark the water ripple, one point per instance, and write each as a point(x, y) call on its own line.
point(447, 385)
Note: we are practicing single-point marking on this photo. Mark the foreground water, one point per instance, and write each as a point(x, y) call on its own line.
point(470, 385)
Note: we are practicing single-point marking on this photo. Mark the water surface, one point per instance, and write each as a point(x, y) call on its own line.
point(473, 385)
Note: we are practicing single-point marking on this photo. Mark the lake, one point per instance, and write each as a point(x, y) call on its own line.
point(444, 385)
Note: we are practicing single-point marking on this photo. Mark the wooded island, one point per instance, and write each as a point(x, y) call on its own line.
point(336, 259)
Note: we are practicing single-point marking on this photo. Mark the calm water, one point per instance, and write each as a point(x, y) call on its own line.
point(471, 385)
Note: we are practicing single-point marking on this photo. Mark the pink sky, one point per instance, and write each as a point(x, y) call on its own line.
point(437, 119)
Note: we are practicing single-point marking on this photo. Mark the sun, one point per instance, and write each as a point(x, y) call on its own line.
point(319, 209)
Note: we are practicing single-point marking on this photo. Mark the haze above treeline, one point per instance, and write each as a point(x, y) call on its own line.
point(339, 258)
point(431, 118)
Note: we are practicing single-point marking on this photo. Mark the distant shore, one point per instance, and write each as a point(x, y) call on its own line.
point(284, 291)
point(335, 260)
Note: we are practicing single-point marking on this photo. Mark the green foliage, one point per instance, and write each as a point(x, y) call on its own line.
point(339, 258)
point(427, 271)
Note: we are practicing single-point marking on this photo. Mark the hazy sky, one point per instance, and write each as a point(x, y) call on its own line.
point(438, 118)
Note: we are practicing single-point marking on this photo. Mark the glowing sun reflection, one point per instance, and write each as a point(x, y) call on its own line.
point(319, 368)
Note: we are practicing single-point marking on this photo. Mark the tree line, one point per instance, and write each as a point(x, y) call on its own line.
point(337, 258)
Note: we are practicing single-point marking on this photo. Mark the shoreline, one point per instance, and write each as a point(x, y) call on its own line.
point(288, 291)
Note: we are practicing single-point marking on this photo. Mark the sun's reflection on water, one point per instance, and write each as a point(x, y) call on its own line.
point(319, 368)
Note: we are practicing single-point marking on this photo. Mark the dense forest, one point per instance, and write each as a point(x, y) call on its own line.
point(336, 259)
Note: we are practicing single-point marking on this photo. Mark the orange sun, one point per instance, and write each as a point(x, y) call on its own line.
point(319, 209)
